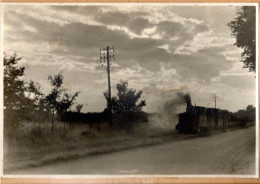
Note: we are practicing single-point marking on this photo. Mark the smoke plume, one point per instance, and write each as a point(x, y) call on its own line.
point(167, 116)
point(171, 105)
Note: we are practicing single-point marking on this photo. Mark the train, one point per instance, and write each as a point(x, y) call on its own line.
point(198, 119)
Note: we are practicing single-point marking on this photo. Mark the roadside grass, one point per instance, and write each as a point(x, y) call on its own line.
point(30, 144)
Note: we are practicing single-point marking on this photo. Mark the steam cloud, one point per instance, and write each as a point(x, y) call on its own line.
point(171, 105)
point(168, 116)
point(166, 119)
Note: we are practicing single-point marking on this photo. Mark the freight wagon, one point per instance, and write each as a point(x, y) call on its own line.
point(199, 119)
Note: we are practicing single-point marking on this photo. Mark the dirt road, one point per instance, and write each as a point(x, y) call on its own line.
point(230, 152)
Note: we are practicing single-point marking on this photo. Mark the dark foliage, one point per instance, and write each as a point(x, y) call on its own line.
point(14, 96)
point(90, 117)
point(94, 118)
point(59, 100)
point(126, 106)
point(243, 28)
point(79, 107)
point(244, 115)
point(22, 100)
point(126, 100)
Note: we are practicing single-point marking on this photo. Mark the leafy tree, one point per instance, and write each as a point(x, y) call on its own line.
point(16, 104)
point(66, 102)
point(59, 99)
point(33, 91)
point(79, 107)
point(52, 98)
point(126, 99)
point(127, 104)
point(40, 107)
point(22, 99)
point(244, 115)
point(250, 108)
point(13, 83)
point(251, 112)
point(243, 28)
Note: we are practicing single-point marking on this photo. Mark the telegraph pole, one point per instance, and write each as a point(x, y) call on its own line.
point(106, 56)
point(215, 97)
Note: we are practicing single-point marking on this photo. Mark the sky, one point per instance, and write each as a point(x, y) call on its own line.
point(159, 49)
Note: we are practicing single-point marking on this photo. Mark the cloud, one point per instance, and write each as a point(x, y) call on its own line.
point(133, 23)
point(239, 81)
point(84, 39)
point(158, 48)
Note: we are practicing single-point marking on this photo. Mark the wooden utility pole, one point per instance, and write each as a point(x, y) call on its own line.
point(215, 97)
point(106, 56)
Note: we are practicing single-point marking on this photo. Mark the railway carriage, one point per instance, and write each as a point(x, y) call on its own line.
point(199, 119)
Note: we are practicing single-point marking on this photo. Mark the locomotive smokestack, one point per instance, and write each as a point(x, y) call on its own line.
point(185, 97)
point(180, 99)
point(189, 105)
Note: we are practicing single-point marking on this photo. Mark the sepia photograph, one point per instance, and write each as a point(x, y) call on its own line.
point(130, 89)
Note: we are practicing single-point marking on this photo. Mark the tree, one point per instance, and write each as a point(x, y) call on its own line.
point(13, 84)
point(16, 104)
point(21, 98)
point(243, 28)
point(79, 107)
point(250, 108)
point(33, 91)
point(66, 102)
point(59, 99)
point(251, 112)
point(244, 115)
point(127, 103)
point(52, 98)
point(126, 100)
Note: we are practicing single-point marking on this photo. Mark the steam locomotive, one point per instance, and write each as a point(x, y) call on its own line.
point(198, 119)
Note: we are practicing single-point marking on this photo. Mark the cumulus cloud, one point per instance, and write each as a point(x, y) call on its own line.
point(158, 48)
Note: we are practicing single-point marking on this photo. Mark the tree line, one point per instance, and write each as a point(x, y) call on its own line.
point(24, 100)
point(244, 115)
